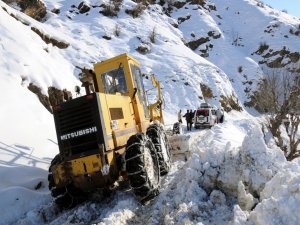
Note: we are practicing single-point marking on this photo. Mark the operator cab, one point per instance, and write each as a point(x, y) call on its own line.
point(114, 81)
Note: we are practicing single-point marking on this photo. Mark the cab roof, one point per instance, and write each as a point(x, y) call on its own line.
point(121, 57)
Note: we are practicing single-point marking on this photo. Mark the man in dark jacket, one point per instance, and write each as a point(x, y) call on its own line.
point(192, 114)
point(188, 119)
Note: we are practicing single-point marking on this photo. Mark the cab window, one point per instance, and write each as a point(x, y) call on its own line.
point(138, 83)
point(114, 81)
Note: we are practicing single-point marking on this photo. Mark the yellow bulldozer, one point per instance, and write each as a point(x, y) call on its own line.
point(109, 134)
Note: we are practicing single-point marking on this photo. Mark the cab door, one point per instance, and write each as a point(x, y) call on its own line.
point(141, 95)
point(116, 106)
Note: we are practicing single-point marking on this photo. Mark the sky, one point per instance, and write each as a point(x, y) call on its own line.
point(292, 6)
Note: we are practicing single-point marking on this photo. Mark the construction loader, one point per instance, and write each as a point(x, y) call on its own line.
point(109, 134)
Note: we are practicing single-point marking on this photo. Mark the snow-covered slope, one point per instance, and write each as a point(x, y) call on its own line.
point(217, 43)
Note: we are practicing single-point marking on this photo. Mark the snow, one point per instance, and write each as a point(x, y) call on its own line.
point(229, 176)
point(22, 189)
point(280, 195)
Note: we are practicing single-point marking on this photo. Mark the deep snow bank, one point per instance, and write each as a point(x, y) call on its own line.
point(223, 181)
point(280, 198)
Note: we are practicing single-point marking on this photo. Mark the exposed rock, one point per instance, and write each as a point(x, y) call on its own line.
point(214, 8)
point(83, 7)
point(56, 96)
point(282, 57)
point(43, 98)
point(195, 44)
point(294, 57)
point(106, 37)
point(182, 19)
point(143, 48)
point(179, 5)
point(213, 35)
point(33, 8)
point(206, 91)
point(67, 95)
point(198, 2)
point(55, 10)
point(46, 38)
point(276, 63)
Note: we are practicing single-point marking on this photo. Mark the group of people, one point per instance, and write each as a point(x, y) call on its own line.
point(189, 115)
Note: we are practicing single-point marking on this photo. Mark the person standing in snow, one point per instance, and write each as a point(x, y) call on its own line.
point(179, 116)
point(191, 118)
point(188, 119)
point(220, 115)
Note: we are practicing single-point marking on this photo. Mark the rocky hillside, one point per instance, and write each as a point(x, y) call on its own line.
point(185, 43)
point(200, 50)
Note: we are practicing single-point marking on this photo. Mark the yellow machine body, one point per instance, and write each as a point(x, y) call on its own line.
point(118, 109)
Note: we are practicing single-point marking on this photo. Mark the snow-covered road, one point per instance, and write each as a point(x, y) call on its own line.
point(230, 177)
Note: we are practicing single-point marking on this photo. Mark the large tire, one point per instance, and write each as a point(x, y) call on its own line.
point(65, 197)
point(159, 138)
point(51, 184)
point(142, 167)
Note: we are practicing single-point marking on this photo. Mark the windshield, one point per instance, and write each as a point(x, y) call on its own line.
point(202, 112)
point(114, 81)
point(138, 83)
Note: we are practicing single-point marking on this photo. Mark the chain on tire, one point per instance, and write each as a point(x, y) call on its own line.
point(159, 138)
point(142, 167)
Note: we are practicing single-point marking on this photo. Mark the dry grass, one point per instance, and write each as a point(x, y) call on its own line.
point(206, 91)
point(230, 103)
point(136, 11)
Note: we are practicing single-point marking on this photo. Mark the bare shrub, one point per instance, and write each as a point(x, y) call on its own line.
point(152, 35)
point(136, 11)
point(236, 39)
point(230, 103)
point(262, 47)
point(117, 30)
point(240, 69)
point(278, 96)
point(206, 91)
point(112, 8)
